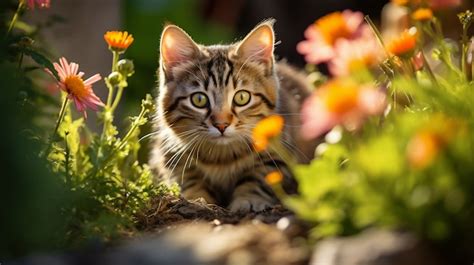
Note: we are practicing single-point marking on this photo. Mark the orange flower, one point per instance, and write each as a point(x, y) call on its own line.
point(266, 129)
point(332, 27)
point(273, 177)
point(423, 148)
point(341, 96)
point(422, 14)
point(403, 45)
point(118, 41)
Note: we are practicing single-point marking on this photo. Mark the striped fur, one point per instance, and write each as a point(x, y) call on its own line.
point(188, 147)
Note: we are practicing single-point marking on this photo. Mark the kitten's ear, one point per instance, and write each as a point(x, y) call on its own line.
point(176, 47)
point(258, 44)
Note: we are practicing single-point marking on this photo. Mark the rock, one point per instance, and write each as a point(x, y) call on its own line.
point(374, 247)
point(194, 243)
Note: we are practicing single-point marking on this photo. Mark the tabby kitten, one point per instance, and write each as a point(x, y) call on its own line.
point(209, 99)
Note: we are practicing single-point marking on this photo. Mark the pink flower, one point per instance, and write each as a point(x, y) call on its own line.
point(78, 90)
point(322, 36)
point(440, 4)
point(40, 3)
point(351, 56)
point(340, 102)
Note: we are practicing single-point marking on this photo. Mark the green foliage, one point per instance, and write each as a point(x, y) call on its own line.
point(70, 184)
point(413, 170)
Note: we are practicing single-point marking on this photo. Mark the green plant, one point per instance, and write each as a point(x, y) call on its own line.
point(413, 166)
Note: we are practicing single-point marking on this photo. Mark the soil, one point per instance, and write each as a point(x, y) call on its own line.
point(272, 236)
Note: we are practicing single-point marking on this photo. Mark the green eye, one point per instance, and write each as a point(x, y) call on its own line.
point(242, 98)
point(199, 100)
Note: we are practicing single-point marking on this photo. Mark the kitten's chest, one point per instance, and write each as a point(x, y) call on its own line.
point(226, 169)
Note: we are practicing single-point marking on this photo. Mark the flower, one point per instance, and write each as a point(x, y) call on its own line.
point(434, 4)
point(400, 2)
point(355, 55)
point(40, 3)
point(418, 61)
point(78, 90)
point(423, 148)
point(327, 31)
point(266, 129)
point(118, 41)
point(440, 4)
point(340, 101)
point(404, 45)
point(273, 178)
point(422, 14)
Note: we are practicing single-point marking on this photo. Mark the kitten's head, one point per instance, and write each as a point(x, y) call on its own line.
point(218, 92)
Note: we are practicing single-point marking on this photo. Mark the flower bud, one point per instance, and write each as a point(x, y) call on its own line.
point(126, 67)
point(114, 78)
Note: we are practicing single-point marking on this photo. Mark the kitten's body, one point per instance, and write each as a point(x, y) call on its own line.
point(208, 150)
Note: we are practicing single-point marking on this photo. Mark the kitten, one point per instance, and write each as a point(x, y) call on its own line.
point(209, 99)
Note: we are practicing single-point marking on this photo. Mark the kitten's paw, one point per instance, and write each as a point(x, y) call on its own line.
point(250, 203)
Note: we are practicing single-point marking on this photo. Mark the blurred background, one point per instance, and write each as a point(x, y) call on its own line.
point(80, 35)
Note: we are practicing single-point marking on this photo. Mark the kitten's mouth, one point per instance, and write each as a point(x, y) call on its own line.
point(222, 139)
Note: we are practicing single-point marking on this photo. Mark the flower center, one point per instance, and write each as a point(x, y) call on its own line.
point(355, 64)
point(75, 85)
point(333, 27)
point(341, 98)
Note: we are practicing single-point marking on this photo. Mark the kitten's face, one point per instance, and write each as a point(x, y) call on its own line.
point(218, 93)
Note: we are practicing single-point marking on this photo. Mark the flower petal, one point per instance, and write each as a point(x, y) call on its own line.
point(91, 80)
point(372, 101)
point(316, 119)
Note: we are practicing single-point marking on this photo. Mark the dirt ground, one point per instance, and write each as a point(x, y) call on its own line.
point(273, 236)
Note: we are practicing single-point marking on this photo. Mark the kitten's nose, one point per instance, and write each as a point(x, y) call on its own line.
point(221, 126)
point(221, 121)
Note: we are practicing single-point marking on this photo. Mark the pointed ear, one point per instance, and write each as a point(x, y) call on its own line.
point(176, 47)
point(258, 44)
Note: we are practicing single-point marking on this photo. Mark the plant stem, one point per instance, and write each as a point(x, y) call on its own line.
point(378, 35)
point(428, 68)
point(110, 96)
point(20, 62)
point(117, 99)
point(62, 112)
point(133, 128)
point(124, 140)
point(15, 17)
point(465, 66)
point(67, 160)
point(115, 59)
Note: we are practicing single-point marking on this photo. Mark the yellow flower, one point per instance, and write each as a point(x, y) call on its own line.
point(403, 45)
point(273, 177)
point(422, 14)
point(118, 41)
point(266, 129)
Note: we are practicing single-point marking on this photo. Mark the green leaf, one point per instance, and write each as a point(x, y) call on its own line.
point(41, 60)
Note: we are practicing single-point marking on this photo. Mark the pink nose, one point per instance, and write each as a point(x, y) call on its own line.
point(221, 126)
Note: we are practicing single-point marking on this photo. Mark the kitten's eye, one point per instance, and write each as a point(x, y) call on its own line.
point(199, 100)
point(242, 98)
